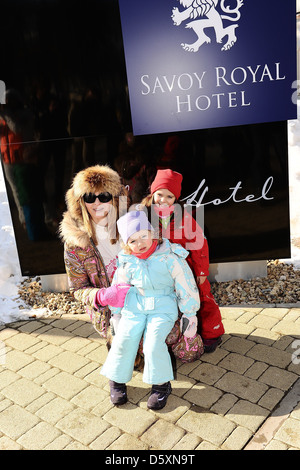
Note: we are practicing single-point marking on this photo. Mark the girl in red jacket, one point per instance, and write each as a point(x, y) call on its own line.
point(176, 224)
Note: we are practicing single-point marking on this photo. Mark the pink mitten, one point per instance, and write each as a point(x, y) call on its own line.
point(188, 325)
point(114, 296)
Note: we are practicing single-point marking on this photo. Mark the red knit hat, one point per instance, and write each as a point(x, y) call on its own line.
point(167, 179)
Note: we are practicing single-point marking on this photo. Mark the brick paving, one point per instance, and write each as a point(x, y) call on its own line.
point(245, 395)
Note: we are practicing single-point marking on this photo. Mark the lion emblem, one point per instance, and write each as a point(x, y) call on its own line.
point(205, 14)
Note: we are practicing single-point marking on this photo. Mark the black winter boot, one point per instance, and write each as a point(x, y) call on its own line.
point(210, 345)
point(118, 393)
point(159, 396)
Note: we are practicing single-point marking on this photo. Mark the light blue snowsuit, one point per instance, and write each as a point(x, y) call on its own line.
point(161, 284)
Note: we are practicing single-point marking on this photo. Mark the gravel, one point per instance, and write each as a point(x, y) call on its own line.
point(281, 286)
point(58, 303)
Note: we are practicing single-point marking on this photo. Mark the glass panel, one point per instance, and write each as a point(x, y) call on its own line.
point(67, 108)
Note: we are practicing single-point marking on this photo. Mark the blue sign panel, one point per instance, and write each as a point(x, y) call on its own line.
point(196, 64)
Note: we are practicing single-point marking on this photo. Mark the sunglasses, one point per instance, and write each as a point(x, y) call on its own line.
point(102, 197)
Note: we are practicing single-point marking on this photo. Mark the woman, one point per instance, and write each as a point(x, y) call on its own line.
point(95, 201)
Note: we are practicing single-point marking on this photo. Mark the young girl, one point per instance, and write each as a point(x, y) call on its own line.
point(161, 283)
point(180, 227)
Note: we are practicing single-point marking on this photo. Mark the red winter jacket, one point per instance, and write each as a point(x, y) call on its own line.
point(189, 235)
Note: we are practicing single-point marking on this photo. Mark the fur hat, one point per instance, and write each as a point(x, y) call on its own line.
point(98, 178)
point(94, 179)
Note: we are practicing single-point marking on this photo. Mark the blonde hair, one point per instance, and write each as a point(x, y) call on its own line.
point(86, 219)
point(148, 200)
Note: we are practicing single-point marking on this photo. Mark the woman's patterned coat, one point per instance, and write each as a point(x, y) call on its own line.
point(85, 271)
